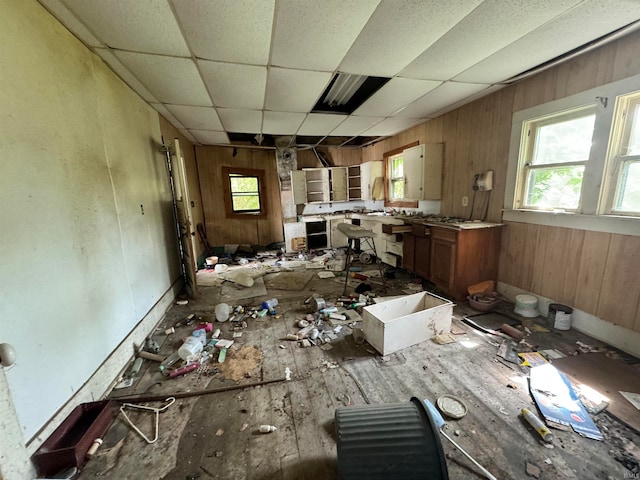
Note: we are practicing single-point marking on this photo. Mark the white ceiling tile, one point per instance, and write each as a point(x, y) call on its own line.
point(235, 86)
point(125, 74)
point(585, 22)
point(238, 31)
point(196, 118)
point(69, 20)
point(206, 137)
point(438, 98)
point(394, 95)
point(282, 123)
point(399, 31)
point(171, 80)
point(241, 121)
point(391, 126)
point(355, 125)
point(144, 25)
point(469, 99)
point(317, 35)
point(484, 31)
point(188, 135)
point(320, 123)
point(294, 90)
point(162, 110)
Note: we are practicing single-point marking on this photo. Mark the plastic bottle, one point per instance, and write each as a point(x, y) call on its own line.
point(191, 346)
point(270, 304)
point(267, 428)
point(170, 360)
point(222, 312)
point(200, 334)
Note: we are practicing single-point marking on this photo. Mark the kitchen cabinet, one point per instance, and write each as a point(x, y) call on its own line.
point(319, 185)
point(337, 239)
point(369, 172)
point(317, 234)
point(354, 183)
point(416, 253)
point(422, 167)
point(460, 258)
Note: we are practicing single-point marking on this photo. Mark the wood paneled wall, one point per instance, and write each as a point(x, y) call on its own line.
point(593, 271)
point(337, 157)
point(221, 230)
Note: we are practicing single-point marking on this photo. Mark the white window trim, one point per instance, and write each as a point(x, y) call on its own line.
point(587, 217)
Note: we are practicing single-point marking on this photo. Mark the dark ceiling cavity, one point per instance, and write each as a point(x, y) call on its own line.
point(346, 92)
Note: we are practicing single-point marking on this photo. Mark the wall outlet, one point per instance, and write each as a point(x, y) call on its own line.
point(465, 201)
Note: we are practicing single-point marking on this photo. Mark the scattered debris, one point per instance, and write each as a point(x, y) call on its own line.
point(532, 470)
point(219, 432)
point(267, 428)
point(443, 339)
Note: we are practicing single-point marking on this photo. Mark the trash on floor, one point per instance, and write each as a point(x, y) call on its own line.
point(558, 402)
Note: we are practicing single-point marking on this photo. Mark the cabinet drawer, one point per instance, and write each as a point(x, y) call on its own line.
point(444, 234)
point(391, 259)
point(390, 228)
point(394, 247)
point(420, 230)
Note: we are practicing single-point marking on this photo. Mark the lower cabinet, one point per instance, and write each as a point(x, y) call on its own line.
point(460, 258)
point(416, 252)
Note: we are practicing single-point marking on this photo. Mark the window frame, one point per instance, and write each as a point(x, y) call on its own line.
point(615, 158)
point(592, 213)
point(529, 136)
point(227, 173)
point(388, 201)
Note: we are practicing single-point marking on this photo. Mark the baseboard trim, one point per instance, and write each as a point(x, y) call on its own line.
point(626, 340)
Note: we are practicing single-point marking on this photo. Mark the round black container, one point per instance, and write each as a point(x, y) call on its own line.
point(382, 442)
point(559, 316)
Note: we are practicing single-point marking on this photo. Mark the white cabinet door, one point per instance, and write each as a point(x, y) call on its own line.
point(413, 161)
point(432, 177)
point(338, 184)
point(299, 186)
point(369, 172)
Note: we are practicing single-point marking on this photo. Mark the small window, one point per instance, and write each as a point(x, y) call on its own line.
point(243, 192)
point(556, 149)
point(624, 157)
point(396, 177)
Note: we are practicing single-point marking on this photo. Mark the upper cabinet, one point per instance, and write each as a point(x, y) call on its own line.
point(423, 172)
point(354, 182)
point(319, 185)
point(372, 181)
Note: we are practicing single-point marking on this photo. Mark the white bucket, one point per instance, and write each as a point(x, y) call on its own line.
point(526, 305)
point(560, 316)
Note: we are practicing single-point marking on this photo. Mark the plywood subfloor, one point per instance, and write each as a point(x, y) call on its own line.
point(216, 436)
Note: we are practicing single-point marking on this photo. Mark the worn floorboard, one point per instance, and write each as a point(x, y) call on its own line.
point(216, 436)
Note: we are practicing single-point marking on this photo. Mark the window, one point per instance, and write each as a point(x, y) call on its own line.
point(624, 158)
point(556, 150)
point(396, 178)
point(575, 162)
point(397, 171)
point(244, 192)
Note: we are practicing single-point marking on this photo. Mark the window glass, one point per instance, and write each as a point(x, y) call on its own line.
point(245, 193)
point(396, 166)
point(556, 153)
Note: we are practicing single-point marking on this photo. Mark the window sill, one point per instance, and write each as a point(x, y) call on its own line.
point(597, 223)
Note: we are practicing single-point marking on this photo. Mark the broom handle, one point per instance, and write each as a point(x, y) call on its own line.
point(484, 470)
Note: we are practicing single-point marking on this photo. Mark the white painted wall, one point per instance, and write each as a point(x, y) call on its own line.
point(80, 264)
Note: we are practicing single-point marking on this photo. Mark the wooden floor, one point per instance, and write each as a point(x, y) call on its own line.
point(216, 436)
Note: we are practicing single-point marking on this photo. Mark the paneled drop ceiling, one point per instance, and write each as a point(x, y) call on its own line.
point(223, 71)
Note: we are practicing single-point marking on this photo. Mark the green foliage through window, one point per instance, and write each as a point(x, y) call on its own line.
point(245, 193)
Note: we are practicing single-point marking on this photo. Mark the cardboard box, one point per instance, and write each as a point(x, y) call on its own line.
point(402, 322)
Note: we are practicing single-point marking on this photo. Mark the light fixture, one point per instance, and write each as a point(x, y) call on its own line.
point(346, 92)
point(343, 88)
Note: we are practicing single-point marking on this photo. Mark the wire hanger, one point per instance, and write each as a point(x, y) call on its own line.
point(157, 411)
